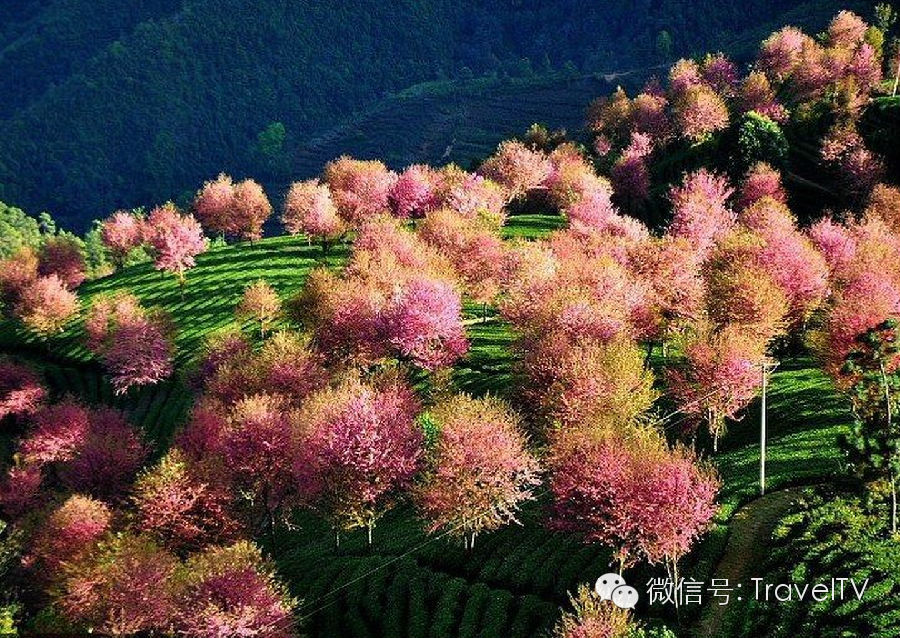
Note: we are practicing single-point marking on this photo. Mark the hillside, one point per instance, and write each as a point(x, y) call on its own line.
point(409, 584)
point(108, 108)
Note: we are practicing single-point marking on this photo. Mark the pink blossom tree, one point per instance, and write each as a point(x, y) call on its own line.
point(123, 588)
point(476, 196)
point(260, 303)
point(17, 272)
point(757, 94)
point(122, 232)
point(473, 248)
point(20, 490)
point(176, 239)
point(700, 209)
point(107, 458)
point(310, 209)
point(259, 449)
point(175, 504)
point(21, 390)
point(592, 617)
point(479, 470)
point(57, 434)
point(67, 535)
point(423, 324)
point(760, 181)
point(699, 113)
point(62, 256)
point(46, 305)
point(238, 209)
point(251, 210)
point(631, 175)
point(634, 495)
point(360, 188)
point(213, 204)
point(361, 448)
point(586, 381)
point(516, 168)
point(232, 591)
point(134, 345)
point(413, 194)
point(720, 375)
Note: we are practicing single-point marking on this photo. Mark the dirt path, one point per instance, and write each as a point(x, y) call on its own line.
point(751, 530)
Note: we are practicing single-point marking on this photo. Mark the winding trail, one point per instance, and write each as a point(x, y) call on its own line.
point(748, 541)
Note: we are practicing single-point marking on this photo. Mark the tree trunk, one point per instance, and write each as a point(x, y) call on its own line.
point(369, 527)
point(887, 401)
point(893, 504)
point(337, 538)
point(896, 78)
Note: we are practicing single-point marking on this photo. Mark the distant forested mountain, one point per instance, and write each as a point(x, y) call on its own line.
point(109, 104)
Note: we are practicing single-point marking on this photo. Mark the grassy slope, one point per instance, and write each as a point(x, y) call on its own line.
point(514, 581)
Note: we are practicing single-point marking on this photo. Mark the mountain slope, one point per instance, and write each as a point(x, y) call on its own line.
point(123, 109)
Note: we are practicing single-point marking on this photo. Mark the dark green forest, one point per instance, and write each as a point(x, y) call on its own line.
point(110, 104)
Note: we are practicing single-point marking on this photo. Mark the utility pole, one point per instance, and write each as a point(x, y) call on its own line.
point(762, 426)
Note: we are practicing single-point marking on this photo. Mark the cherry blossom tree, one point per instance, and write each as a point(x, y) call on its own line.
point(175, 504)
point(671, 268)
point(134, 345)
point(360, 188)
point(700, 209)
point(474, 249)
point(781, 52)
point(836, 244)
point(586, 381)
point(122, 232)
point(107, 458)
point(20, 490)
point(175, 238)
point(413, 194)
point(788, 257)
point(699, 113)
point(21, 390)
point(479, 470)
point(631, 175)
point(310, 209)
point(423, 324)
point(741, 292)
point(361, 448)
point(213, 204)
point(67, 535)
point(863, 303)
point(719, 376)
point(259, 450)
point(260, 303)
point(17, 272)
point(238, 209)
point(760, 181)
point(251, 210)
point(232, 591)
point(46, 305)
point(592, 617)
point(62, 256)
point(122, 588)
point(475, 196)
point(57, 434)
point(884, 204)
point(571, 178)
point(141, 353)
point(607, 489)
point(720, 73)
point(92, 451)
point(516, 168)
point(756, 94)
